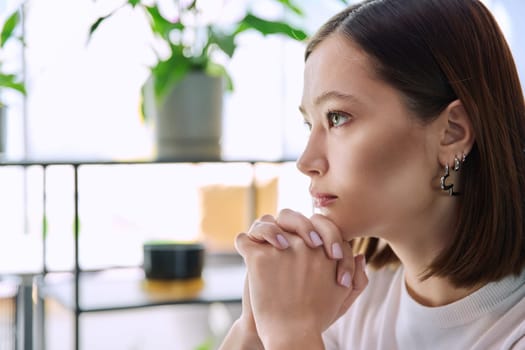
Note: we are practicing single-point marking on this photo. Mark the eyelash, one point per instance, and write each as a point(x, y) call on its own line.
point(329, 115)
point(332, 114)
point(308, 125)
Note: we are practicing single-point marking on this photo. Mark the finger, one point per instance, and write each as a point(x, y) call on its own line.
point(264, 218)
point(360, 282)
point(266, 230)
point(243, 243)
point(267, 218)
point(330, 234)
point(346, 267)
point(292, 221)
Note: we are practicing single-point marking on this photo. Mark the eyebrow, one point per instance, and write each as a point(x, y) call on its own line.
point(328, 95)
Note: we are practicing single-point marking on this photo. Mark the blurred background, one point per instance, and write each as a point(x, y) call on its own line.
point(82, 105)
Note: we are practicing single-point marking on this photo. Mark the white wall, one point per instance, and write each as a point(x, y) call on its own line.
point(510, 15)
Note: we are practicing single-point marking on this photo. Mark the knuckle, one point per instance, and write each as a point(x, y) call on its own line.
point(317, 216)
point(285, 212)
point(240, 236)
point(294, 222)
point(239, 241)
point(320, 220)
point(327, 228)
point(261, 228)
point(267, 218)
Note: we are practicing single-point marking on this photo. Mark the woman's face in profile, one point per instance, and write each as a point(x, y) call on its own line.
point(373, 166)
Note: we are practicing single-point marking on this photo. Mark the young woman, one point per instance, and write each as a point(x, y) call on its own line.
point(416, 160)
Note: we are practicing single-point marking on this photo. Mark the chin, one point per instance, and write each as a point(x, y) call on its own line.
point(348, 230)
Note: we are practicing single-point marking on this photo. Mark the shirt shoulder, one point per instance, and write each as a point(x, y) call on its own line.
point(508, 332)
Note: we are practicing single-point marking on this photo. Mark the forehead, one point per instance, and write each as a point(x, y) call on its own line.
point(337, 64)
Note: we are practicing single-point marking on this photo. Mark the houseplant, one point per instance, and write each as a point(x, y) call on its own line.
point(8, 80)
point(8, 33)
point(190, 72)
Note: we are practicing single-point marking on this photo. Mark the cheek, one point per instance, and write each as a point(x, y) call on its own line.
point(385, 175)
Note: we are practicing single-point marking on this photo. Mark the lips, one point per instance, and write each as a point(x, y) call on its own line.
point(321, 200)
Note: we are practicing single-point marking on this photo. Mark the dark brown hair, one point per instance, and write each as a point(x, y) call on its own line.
point(434, 52)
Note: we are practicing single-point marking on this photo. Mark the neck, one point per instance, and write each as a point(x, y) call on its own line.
point(434, 291)
point(418, 242)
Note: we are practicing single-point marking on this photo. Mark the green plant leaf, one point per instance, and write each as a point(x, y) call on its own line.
point(207, 345)
point(193, 5)
point(97, 23)
point(161, 25)
point(289, 5)
point(169, 72)
point(10, 81)
point(225, 42)
point(164, 75)
point(9, 27)
point(267, 27)
point(45, 228)
point(99, 20)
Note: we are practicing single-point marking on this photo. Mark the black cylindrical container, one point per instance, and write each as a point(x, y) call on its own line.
point(173, 261)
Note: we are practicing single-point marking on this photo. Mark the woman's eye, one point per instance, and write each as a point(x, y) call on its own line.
point(336, 119)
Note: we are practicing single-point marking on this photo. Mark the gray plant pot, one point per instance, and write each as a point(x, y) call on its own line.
point(188, 122)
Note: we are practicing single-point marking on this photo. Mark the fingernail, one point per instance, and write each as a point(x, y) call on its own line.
point(316, 239)
point(346, 280)
point(337, 252)
point(283, 241)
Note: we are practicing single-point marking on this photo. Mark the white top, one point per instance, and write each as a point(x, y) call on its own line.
point(386, 317)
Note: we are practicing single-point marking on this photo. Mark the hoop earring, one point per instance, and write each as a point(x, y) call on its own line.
point(450, 187)
point(457, 164)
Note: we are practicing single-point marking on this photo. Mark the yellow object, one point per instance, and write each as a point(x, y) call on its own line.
point(228, 210)
point(173, 289)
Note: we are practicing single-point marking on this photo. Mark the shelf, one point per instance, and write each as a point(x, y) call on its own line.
point(78, 162)
point(116, 288)
point(128, 289)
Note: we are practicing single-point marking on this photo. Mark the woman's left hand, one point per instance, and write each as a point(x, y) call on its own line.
point(294, 291)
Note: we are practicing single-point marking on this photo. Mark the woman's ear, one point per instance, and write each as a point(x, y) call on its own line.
point(457, 136)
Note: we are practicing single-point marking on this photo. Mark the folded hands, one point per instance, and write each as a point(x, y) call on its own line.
point(301, 277)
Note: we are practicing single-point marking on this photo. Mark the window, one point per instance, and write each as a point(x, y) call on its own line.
point(83, 104)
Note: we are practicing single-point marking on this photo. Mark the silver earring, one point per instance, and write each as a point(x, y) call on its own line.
point(450, 187)
point(457, 164)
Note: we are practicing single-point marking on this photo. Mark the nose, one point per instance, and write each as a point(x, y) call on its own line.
point(313, 161)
